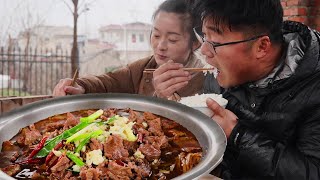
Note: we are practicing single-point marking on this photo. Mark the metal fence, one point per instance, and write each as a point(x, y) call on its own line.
point(32, 71)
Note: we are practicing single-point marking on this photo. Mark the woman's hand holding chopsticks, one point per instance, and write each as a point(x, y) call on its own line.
point(169, 78)
point(68, 86)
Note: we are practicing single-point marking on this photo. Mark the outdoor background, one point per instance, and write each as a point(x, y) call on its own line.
point(36, 38)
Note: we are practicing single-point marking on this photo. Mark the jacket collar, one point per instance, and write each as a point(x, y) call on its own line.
point(302, 52)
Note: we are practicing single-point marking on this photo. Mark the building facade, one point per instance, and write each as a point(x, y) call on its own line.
point(132, 40)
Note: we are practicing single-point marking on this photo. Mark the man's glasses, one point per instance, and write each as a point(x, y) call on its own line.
point(200, 36)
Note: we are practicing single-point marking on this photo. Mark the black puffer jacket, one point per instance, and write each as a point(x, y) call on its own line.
point(278, 134)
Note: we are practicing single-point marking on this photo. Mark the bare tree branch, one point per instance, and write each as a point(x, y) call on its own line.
point(9, 27)
point(89, 3)
point(82, 3)
point(85, 8)
point(47, 10)
point(68, 6)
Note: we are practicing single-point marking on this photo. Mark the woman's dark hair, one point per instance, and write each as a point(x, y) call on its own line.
point(182, 8)
point(253, 17)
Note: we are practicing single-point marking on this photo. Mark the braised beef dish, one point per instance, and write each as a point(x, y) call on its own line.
point(101, 144)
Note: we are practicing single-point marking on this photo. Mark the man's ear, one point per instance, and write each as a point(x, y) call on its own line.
point(195, 45)
point(262, 46)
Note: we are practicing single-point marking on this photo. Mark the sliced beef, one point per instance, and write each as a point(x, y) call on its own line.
point(119, 171)
point(63, 175)
point(14, 156)
point(161, 141)
point(37, 176)
point(150, 152)
point(54, 125)
point(52, 134)
point(135, 117)
point(103, 169)
point(95, 144)
point(89, 112)
point(52, 161)
point(143, 132)
point(29, 135)
point(71, 121)
point(149, 116)
point(110, 112)
point(9, 146)
point(89, 174)
point(131, 146)
point(10, 153)
point(62, 164)
point(11, 169)
point(155, 127)
point(141, 167)
point(114, 149)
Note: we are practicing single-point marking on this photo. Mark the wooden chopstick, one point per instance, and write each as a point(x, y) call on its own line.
point(175, 97)
point(75, 77)
point(186, 69)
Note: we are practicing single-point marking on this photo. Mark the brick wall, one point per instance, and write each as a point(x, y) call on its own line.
point(305, 11)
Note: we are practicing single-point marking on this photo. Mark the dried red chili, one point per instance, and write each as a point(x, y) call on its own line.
point(32, 161)
point(38, 148)
point(57, 147)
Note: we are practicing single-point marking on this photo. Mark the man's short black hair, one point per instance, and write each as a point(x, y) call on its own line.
point(248, 16)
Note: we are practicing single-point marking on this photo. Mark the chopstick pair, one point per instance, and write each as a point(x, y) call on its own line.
point(75, 77)
point(175, 97)
point(186, 69)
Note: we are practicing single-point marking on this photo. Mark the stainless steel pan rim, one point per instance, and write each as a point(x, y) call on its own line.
point(209, 134)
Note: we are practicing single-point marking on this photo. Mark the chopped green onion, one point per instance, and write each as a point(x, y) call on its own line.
point(92, 117)
point(75, 159)
point(86, 140)
point(50, 144)
point(79, 133)
point(53, 142)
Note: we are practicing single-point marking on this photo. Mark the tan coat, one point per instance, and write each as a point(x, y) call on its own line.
point(131, 79)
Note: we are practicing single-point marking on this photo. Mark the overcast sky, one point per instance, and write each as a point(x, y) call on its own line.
point(17, 14)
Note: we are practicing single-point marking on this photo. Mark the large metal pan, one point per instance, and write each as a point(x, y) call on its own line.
point(209, 134)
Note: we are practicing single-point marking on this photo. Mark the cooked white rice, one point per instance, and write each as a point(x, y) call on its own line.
point(214, 71)
point(200, 56)
point(200, 100)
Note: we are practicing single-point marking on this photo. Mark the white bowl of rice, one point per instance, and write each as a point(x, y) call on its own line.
point(198, 101)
